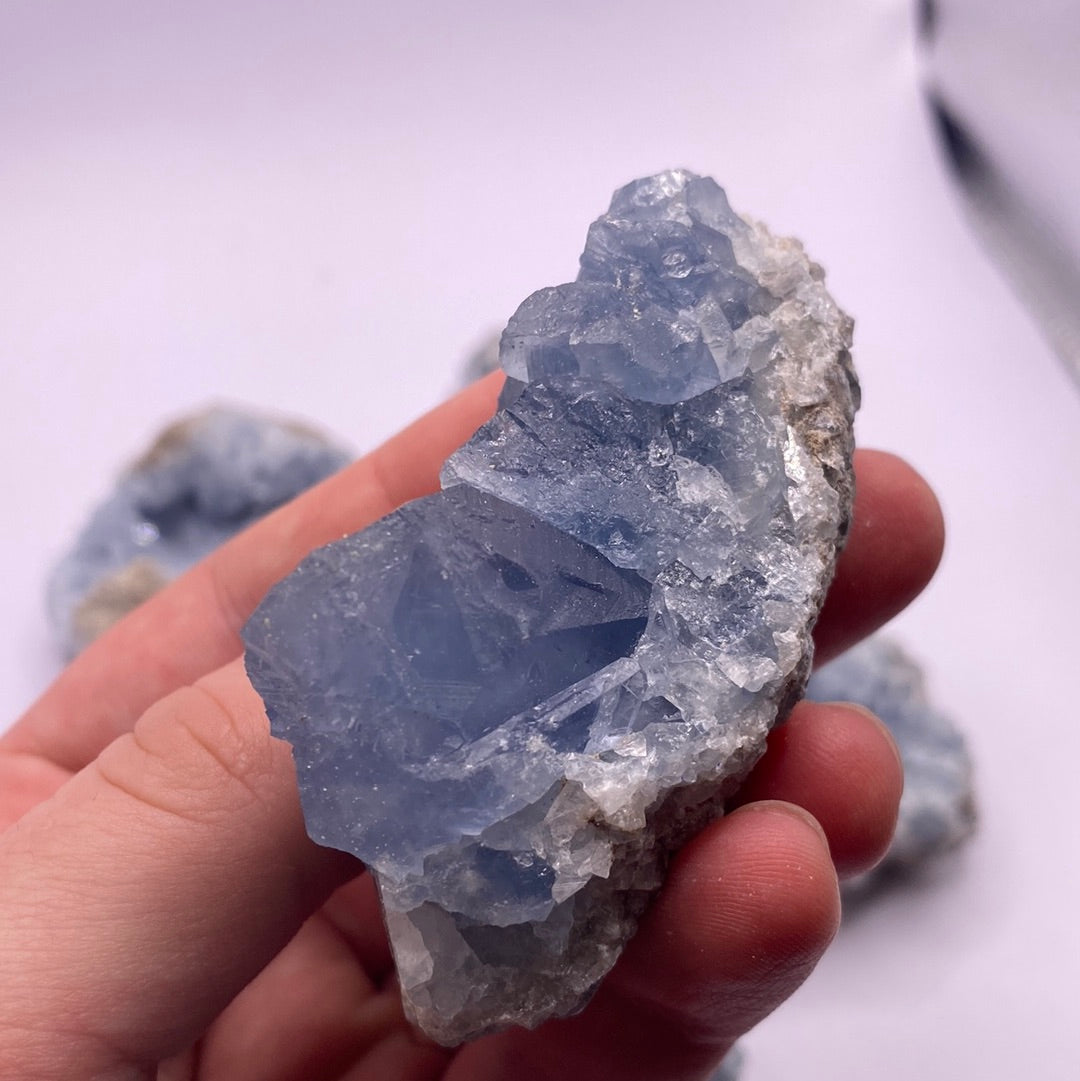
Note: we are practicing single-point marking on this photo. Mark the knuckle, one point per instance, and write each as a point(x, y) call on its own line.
point(195, 756)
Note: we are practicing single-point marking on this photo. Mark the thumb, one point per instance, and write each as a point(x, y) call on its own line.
point(153, 886)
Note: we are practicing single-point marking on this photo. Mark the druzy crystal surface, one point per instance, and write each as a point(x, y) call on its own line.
point(937, 809)
point(516, 698)
point(204, 478)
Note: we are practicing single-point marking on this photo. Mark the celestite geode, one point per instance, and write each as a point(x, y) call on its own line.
point(203, 479)
point(514, 699)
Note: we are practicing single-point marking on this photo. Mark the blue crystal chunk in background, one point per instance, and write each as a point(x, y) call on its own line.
point(937, 809)
point(516, 698)
point(204, 479)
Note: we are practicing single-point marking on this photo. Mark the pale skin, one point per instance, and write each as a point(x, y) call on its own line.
point(163, 914)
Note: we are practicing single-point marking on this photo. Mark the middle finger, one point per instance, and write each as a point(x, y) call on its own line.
point(840, 763)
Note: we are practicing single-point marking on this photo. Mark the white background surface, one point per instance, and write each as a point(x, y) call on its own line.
point(321, 208)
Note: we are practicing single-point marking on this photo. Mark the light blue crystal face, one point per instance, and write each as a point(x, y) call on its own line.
point(515, 698)
point(937, 809)
point(440, 622)
point(204, 480)
point(656, 304)
point(666, 484)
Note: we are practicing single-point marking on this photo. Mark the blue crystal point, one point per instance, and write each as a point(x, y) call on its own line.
point(514, 699)
point(656, 302)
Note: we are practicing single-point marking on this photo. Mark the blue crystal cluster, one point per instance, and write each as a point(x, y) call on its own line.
point(204, 479)
point(515, 698)
point(937, 809)
point(731, 1067)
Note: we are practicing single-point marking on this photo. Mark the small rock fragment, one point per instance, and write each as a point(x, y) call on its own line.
point(482, 360)
point(731, 1067)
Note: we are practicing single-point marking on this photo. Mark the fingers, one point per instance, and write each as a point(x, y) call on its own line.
point(151, 888)
point(192, 627)
point(897, 536)
point(746, 911)
point(839, 763)
point(758, 896)
point(26, 780)
point(312, 1013)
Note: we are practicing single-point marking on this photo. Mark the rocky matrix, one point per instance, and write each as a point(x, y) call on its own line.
point(514, 699)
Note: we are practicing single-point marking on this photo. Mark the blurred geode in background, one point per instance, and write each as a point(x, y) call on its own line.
point(482, 360)
point(937, 809)
point(204, 478)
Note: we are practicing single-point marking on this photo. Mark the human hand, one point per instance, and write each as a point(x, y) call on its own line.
point(163, 913)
